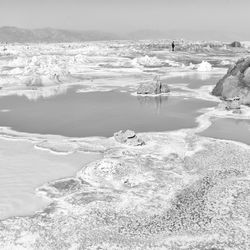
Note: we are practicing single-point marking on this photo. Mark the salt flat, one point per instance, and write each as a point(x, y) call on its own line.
point(178, 191)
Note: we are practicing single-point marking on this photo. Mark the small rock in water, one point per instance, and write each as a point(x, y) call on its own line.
point(156, 87)
point(128, 137)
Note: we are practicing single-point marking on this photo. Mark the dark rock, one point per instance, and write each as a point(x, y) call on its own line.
point(236, 82)
point(153, 88)
point(236, 44)
point(164, 88)
point(128, 137)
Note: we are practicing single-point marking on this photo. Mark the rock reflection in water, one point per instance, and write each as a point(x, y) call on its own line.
point(153, 101)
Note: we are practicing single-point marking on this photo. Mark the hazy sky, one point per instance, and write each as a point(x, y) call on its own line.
point(127, 15)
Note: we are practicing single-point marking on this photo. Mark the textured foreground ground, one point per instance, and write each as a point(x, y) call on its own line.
point(176, 192)
point(179, 191)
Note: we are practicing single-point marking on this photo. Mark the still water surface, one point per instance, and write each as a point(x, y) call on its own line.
point(229, 129)
point(99, 113)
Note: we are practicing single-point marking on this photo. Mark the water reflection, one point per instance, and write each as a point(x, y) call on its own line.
point(36, 93)
point(153, 101)
point(98, 113)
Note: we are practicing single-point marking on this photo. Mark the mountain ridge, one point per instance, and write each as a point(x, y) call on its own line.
point(20, 35)
point(12, 34)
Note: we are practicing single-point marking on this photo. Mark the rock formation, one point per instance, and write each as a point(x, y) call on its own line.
point(231, 104)
point(128, 137)
point(235, 44)
point(236, 82)
point(153, 88)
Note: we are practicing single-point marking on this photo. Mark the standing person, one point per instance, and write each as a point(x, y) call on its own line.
point(173, 46)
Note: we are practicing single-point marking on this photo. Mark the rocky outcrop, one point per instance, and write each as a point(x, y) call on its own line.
point(235, 44)
point(236, 82)
point(153, 88)
point(128, 137)
point(231, 104)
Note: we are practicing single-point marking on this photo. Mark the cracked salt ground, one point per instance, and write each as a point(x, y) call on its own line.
point(155, 196)
point(176, 191)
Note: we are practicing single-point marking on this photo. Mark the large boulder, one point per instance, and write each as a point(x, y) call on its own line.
point(128, 137)
point(235, 44)
point(236, 82)
point(153, 88)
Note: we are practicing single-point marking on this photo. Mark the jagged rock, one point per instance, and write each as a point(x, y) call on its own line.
point(128, 137)
point(164, 88)
point(154, 88)
point(236, 44)
point(236, 82)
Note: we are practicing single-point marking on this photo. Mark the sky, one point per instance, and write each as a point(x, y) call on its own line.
point(122, 16)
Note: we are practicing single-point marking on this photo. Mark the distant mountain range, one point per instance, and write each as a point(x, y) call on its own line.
point(14, 34)
point(50, 35)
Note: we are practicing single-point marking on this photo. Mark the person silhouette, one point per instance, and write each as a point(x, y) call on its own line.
point(173, 46)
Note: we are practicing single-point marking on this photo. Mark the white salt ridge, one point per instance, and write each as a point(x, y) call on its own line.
point(174, 64)
point(225, 62)
point(204, 66)
point(38, 65)
point(246, 44)
point(35, 94)
point(147, 61)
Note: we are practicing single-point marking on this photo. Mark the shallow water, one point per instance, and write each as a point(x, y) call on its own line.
point(99, 113)
point(196, 80)
point(24, 168)
point(229, 129)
